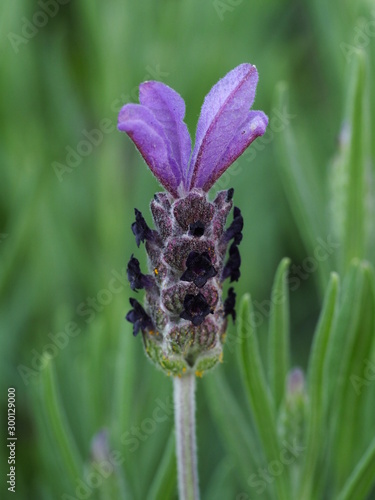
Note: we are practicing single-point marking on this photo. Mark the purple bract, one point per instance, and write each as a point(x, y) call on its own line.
point(225, 129)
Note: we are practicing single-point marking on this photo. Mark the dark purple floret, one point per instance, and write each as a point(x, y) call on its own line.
point(232, 267)
point(230, 304)
point(136, 279)
point(235, 229)
point(199, 269)
point(139, 317)
point(196, 308)
point(230, 194)
point(140, 228)
point(197, 229)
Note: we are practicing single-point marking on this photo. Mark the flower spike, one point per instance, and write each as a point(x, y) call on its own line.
point(184, 318)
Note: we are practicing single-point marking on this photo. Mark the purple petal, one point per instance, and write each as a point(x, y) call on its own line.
point(169, 109)
point(224, 115)
point(149, 136)
point(254, 126)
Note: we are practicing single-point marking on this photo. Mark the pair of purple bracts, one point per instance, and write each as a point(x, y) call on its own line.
point(184, 319)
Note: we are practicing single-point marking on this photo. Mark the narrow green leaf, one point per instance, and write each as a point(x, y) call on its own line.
point(279, 335)
point(124, 373)
point(351, 443)
point(222, 482)
point(302, 188)
point(164, 484)
point(124, 376)
point(258, 392)
point(65, 444)
point(349, 345)
point(367, 378)
point(346, 320)
point(238, 437)
point(315, 415)
point(355, 165)
point(362, 479)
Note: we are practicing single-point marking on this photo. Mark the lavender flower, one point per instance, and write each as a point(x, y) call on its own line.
point(184, 318)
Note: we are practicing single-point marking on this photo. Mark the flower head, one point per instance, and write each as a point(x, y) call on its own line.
point(185, 318)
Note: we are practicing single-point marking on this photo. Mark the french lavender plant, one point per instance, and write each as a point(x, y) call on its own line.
point(184, 317)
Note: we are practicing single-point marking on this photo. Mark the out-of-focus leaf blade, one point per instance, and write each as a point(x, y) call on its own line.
point(59, 426)
point(351, 443)
point(221, 485)
point(257, 391)
point(301, 187)
point(362, 479)
point(349, 346)
point(315, 415)
point(279, 334)
point(350, 170)
point(164, 483)
point(238, 437)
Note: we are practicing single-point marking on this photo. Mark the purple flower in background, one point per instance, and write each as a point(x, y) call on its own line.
point(184, 320)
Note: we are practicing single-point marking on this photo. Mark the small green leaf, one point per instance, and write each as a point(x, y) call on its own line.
point(279, 335)
point(257, 391)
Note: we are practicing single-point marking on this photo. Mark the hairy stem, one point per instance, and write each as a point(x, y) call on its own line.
point(186, 447)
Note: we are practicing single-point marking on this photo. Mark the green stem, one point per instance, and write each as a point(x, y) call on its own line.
point(186, 447)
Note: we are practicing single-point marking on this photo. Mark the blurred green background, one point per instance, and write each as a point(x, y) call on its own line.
point(66, 209)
